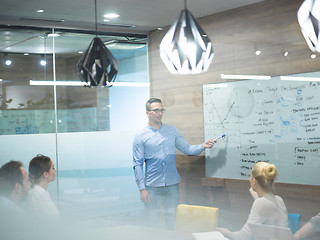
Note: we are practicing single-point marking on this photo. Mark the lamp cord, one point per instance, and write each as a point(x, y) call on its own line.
point(45, 57)
point(95, 12)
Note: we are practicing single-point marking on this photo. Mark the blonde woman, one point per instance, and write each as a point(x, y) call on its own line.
point(41, 173)
point(267, 208)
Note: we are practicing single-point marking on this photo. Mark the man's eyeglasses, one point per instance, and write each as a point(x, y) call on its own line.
point(157, 110)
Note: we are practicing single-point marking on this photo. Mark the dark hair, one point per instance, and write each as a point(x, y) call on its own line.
point(10, 175)
point(37, 166)
point(152, 100)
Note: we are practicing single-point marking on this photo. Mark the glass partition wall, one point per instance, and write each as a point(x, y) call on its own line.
point(87, 132)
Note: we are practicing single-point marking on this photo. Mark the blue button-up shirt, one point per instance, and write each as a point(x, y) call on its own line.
point(156, 148)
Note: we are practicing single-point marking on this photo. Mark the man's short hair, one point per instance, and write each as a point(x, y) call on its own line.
point(10, 174)
point(152, 100)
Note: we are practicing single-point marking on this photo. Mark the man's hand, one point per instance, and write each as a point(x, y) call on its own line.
point(144, 196)
point(209, 143)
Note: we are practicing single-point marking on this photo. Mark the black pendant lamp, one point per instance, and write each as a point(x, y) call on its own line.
point(97, 66)
point(186, 48)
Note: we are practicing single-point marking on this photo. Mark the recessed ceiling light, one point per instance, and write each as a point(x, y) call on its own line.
point(80, 52)
point(111, 15)
point(26, 54)
point(285, 54)
point(106, 20)
point(258, 52)
point(313, 56)
point(43, 63)
point(160, 28)
point(40, 11)
point(8, 62)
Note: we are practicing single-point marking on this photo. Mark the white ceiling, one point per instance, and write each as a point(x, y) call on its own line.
point(144, 15)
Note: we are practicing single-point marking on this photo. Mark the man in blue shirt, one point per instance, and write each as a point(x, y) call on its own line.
point(155, 147)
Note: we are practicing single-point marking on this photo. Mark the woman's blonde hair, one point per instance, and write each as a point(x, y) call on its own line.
point(265, 173)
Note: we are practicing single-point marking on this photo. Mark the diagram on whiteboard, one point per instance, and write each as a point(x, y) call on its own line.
point(226, 117)
point(273, 121)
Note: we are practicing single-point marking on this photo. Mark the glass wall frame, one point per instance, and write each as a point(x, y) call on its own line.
point(87, 132)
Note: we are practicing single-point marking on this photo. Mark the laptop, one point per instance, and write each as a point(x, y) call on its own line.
point(268, 232)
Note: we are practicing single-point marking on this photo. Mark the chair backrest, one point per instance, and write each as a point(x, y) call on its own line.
point(269, 232)
point(192, 218)
point(294, 221)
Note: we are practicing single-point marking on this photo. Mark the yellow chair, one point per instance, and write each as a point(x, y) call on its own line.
point(192, 218)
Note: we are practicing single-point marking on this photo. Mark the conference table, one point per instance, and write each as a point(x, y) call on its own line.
point(137, 232)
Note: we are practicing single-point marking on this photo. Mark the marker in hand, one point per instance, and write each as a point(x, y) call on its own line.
point(222, 136)
point(211, 142)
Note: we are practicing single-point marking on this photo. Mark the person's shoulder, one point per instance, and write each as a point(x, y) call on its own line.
point(271, 198)
point(170, 130)
point(280, 202)
point(142, 131)
point(36, 188)
point(36, 192)
point(260, 205)
point(168, 127)
point(316, 218)
point(260, 201)
point(142, 134)
point(10, 208)
point(278, 198)
point(5, 203)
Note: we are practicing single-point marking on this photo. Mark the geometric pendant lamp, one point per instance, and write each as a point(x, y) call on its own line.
point(309, 21)
point(97, 66)
point(186, 48)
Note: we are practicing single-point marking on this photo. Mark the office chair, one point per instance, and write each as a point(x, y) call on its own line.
point(294, 221)
point(192, 218)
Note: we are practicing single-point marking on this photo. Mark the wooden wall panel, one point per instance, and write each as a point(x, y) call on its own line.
point(270, 26)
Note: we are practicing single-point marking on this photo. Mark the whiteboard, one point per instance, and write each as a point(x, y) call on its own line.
point(274, 121)
point(35, 121)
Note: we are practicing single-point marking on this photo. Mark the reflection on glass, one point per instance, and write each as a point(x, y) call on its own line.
point(29, 109)
point(92, 146)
